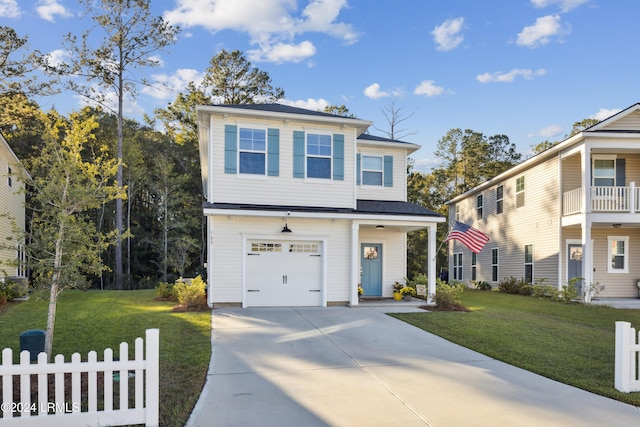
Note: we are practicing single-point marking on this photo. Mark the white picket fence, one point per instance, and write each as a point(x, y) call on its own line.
point(82, 408)
point(627, 378)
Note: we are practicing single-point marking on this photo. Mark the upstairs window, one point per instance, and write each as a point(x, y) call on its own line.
point(318, 156)
point(252, 151)
point(520, 192)
point(9, 177)
point(479, 206)
point(372, 170)
point(604, 172)
point(499, 199)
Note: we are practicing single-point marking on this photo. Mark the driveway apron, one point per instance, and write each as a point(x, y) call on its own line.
point(341, 366)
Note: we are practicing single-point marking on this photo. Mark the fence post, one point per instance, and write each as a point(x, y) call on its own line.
point(623, 357)
point(152, 389)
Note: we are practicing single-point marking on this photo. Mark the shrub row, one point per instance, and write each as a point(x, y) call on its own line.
point(189, 296)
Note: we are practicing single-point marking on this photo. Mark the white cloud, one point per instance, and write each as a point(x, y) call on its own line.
point(565, 5)
point(167, 86)
point(426, 165)
point(542, 31)
point(499, 77)
point(282, 52)
point(130, 106)
point(272, 25)
point(447, 35)
point(9, 9)
point(309, 103)
point(604, 113)
point(57, 57)
point(48, 9)
point(549, 131)
point(373, 91)
point(428, 88)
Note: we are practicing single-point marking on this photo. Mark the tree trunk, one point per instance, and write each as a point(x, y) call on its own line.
point(119, 183)
point(53, 295)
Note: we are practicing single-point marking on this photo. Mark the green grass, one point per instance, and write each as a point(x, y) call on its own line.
point(570, 343)
point(95, 320)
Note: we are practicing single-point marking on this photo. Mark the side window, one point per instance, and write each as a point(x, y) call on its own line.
point(252, 152)
point(479, 206)
point(457, 212)
point(318, 156)
point(494, 265)
point(9, 177)
point(520, 192)
point(457, 266)
point(528, 263)
point(474, 263)
point(499, 199)
point(618, 253)
point(372, 170)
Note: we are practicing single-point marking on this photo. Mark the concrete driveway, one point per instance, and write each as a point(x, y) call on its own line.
point(341, 366)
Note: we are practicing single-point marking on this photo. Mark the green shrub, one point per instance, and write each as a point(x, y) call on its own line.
point(481, 285)
point(165, 291)
point(545, 291)
point(418, 279)
point(569, 292)
point(193, 295)
point(448, 295)
point(515, 286)
point(12, 289)
point(3, 298)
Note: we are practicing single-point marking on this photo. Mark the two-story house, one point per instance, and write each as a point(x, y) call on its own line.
point(12, 200)
point(302, 206)
point(571, 211)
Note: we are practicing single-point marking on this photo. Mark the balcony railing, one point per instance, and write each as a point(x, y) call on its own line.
point(603, 199)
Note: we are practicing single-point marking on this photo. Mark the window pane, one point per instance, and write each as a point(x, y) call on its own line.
point(372, 178)
point(372, 163)
point(617, 262)
point(252, 139)
point(252, 163)
point(318, 145)
point(520, 184)
point(528, 253)
point(499, 192)
point(318, 167)
point(528, 273)
point(499, 207)
point(603, 168)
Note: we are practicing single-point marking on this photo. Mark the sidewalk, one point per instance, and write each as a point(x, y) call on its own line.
point(342, 366)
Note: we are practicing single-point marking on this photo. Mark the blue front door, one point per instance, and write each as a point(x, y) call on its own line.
point(371, 264)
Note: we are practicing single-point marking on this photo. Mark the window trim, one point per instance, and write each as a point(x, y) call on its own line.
point(363, 169)
point(495, 265)
point(527, 263)
point(521, 192)
point(500, 199)
point(264, 152)
point(626, 255)
point(611, 157)
point(317, 156)
point(457, 266)
point(479, 206)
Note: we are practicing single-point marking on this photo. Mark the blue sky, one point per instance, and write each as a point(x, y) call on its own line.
point(525, 68)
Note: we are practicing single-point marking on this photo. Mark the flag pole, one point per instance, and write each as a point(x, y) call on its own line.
point(444, 240)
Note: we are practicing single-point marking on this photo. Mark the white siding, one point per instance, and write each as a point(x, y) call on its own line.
point(283, 189)
point(12, 200)
point(630, 122)
point(399, 190)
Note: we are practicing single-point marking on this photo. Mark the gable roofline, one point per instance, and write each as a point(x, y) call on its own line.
point(591, 131)
point(13, 155)
point(287, 112)
point(379, 141)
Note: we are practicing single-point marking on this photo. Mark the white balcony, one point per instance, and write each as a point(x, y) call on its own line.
point(603, 199)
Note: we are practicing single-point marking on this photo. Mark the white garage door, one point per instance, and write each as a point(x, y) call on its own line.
point(283, 273)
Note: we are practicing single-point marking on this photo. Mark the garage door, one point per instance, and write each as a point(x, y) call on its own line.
point(283, 273)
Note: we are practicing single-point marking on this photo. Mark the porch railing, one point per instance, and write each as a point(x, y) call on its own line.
point(603, 199)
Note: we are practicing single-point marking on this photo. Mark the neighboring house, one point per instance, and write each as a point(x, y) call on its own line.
point(12, 200)
point(301, 207)
point(570, 211)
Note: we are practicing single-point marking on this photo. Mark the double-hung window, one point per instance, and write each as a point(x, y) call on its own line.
point(457, 266)
point(252, 152)
point(474, 264)
point(372, 169)
point(318, 156)
point(604, 172)
point(9, 177)
point(479, 206)
point(520, 192)
point(618, 254)
point(499, 199)
point(528, 263)
point(494, 265)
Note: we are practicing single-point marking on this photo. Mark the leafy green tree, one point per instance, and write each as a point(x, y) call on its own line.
point(67, 180)
point(127, 40)
point(338, 110)
point(230, 79)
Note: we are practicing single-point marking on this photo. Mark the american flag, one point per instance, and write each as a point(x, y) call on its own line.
point(467, 235)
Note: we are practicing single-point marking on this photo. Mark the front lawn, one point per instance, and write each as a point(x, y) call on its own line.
point(95, 320)
point(570, 343)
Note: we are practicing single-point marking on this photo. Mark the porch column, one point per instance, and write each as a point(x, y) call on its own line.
point(355, 258)
point(587, 267)
point(431, 264)
point(585, 153)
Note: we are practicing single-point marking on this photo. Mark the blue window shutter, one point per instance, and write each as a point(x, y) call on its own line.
point(620, 172)
point(358, 169)
point(338, 157)
point(230, 149)
point(298, 154)
point(388, 171)
point(273, 150)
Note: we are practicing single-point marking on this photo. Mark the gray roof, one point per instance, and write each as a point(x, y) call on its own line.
point(281, 108)
point(370, 207)
point(367, 137)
